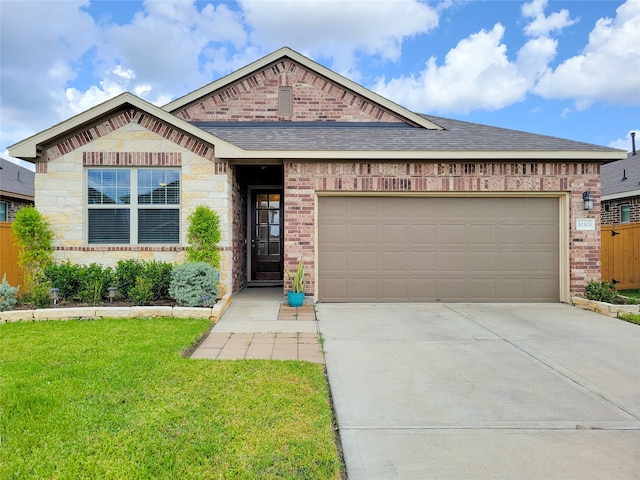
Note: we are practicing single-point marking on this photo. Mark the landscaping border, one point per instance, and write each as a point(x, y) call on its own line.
point(90, 313)
point(604, 308)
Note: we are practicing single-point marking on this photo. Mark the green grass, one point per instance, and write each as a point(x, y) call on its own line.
point(631, 293)
point(631, 317)
point(114, 399)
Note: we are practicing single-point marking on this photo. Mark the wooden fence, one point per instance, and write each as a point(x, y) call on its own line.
point(9, 257)
point(620, 255)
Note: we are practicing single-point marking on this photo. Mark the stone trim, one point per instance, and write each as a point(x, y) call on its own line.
point(122, 119)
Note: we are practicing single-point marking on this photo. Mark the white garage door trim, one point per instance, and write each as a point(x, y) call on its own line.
point(563, 228)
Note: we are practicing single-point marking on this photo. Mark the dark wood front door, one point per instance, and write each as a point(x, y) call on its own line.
point(266, 235)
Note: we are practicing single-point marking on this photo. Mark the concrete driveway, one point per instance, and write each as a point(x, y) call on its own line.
point(475, 391)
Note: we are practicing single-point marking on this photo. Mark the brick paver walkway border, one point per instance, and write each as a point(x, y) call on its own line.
point(265, 346)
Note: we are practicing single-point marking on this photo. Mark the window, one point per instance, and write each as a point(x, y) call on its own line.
point(133, 206)
point(3, 211)
point(625, 213)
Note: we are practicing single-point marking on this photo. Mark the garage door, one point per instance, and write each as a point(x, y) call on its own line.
point(427, 249)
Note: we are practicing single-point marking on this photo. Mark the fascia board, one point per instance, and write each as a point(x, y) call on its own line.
point(311, 65)
point(616, 196)
point(550, 156)
point(27, 149)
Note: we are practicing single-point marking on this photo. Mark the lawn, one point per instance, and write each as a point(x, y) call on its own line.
point(115, 399)
point(635, 294)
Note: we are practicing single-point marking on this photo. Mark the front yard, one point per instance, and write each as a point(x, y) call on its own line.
point(115, 399)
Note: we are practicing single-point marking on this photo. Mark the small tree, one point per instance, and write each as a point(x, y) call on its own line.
point(203, 236)
point(34, 238)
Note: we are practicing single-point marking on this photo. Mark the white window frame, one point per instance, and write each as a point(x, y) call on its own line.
point(626, 207)
point(133, 206)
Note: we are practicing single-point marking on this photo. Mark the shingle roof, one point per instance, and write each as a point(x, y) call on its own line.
point(343, 136)
point(621, 176)
point(15, 179)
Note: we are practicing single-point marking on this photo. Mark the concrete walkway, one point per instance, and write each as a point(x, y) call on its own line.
point(260, 325)
point(461, 391)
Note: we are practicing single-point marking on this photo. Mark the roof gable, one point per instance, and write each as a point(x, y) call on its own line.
point(318, 94)
point(108, 116)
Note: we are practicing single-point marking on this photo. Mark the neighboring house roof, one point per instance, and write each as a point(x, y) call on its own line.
point(16, 181)
point(415, 136)
point(621, 179)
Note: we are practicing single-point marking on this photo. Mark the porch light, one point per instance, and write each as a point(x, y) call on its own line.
point(205, 299)
point(588, 201)
point(112, 294)
point(54, 296)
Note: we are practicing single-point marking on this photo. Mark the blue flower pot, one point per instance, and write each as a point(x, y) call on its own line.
point(295, 299)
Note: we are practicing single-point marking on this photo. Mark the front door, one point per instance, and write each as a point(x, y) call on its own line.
point(266, 236)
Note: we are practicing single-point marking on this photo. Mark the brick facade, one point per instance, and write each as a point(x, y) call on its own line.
point(255, 98)
point(303, 180)
point(13, 205)
point(611, 210)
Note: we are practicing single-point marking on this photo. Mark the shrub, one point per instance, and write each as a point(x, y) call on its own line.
point(203, 236)
point(66, 277)
point(8, 295)
point(142, 292)
point(94, 282)
point(190, 281)
point(159, 273)
point(40, 294)
point(128, 271)
point(34, 238)
point(600, 291)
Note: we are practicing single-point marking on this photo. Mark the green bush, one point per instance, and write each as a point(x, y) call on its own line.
point(35, 244)
point(126, 273)
point(158, 273)
point(95, 279)
point(66, 277)
point(600, 291)
point(8, 295)
point(203, 236)
point(142, 292)
point(190, 281)
point(40, 294)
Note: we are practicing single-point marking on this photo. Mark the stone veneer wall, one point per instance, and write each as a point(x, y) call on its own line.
point(255, 98)
point(60, 185)
point(239, 231)
point(303, 180)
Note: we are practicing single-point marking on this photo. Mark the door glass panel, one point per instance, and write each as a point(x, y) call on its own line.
point(263, 201)
point(274, 248)
point(263, 232)
point(263, 216)
point(262, 248)
point(274, 217)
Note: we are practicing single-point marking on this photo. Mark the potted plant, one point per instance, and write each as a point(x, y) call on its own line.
point(295, 295)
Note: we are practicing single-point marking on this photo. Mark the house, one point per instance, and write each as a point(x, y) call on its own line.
point(620, 218)
point(16, 189)
point(621, 190)
point(382, 203)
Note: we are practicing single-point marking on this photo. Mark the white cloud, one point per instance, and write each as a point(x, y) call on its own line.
point(608, 67)
point(338, 29)
point(477, 73)
point(543, 25)
point(625, 143)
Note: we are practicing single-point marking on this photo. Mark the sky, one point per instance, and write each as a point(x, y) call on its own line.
point(569, 69)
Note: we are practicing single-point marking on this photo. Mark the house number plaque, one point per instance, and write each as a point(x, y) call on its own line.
point(586, 224)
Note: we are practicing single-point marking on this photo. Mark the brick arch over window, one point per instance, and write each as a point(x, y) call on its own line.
point(120, 119)
point(255, 98)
